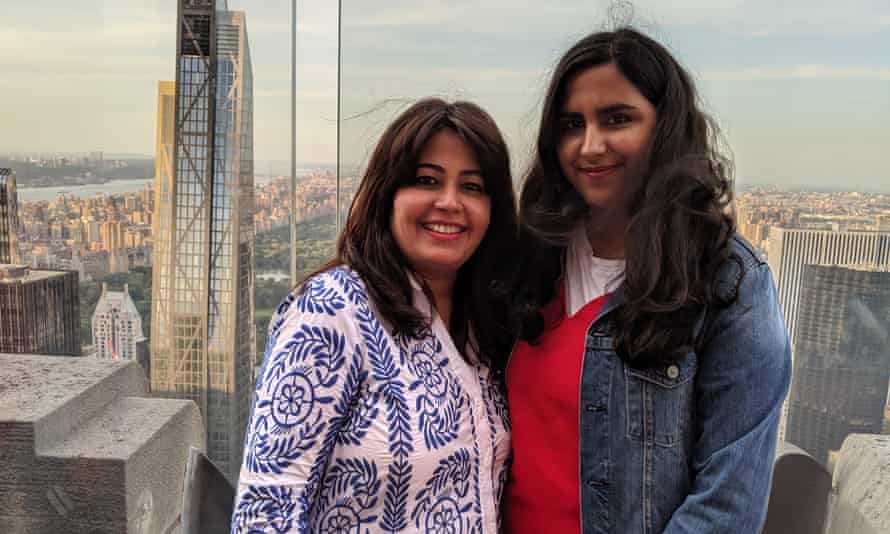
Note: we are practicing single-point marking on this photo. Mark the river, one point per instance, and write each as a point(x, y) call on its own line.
point(112, 187)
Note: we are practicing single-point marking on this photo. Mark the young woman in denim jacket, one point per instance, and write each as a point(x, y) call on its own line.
point(646, 390)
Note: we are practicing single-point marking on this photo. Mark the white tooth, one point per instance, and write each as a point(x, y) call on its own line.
point(444, 228)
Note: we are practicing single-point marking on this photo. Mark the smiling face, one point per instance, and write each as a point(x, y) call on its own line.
point(440, 218)
point(605, 127)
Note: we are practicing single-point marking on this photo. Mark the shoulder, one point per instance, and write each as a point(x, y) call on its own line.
point(341, 283)
point(746, 251)
point(340, 280)
point(745, 332)
point(744, 288)
point(328, 296)
point(745, 266)
point(748, 303)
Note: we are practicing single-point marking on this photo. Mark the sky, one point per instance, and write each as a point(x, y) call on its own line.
point(800, 90)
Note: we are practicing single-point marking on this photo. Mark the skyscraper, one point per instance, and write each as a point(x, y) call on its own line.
point(112, 235)
point(39, 311)
point(9, 218)
point(842, 362)
point(113, 241)
point(117, 328)
point(202, 301)
point(790, 250)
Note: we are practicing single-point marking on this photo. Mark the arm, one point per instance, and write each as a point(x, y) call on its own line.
point(309, 375)
point(744, 373)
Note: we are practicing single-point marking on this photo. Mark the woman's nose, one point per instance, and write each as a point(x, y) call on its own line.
point(594, 142)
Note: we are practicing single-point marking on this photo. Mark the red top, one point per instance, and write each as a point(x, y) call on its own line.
point(543, 389)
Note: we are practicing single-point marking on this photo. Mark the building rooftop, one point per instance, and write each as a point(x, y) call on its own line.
point(11, 274)
point(117, 300)
point(863, 267)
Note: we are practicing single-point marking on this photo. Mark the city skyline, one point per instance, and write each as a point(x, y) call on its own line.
point(802, 92)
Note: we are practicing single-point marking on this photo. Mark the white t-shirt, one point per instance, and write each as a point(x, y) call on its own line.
point(588, 277)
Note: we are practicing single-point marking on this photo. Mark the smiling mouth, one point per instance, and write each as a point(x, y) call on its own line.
point(600, 169)
point(449, 229)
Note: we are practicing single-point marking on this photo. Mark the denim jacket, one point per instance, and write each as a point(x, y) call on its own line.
point(688, 447)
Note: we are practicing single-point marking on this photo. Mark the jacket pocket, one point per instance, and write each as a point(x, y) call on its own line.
point(657, 401)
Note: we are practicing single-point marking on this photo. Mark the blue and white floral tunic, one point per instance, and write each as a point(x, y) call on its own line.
point(355, 430)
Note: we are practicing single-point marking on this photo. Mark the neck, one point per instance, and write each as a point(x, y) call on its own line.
point(442, 288)
point(605, 233)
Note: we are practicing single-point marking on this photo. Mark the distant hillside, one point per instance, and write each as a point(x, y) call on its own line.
point(31, 175)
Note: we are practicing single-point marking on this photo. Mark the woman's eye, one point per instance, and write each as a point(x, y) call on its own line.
point(474, 187)
point(572, 124)
point(617, 120)
point(425, 180)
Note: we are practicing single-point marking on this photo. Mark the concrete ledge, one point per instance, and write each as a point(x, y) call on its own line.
point(861, 492)
point(83, 447)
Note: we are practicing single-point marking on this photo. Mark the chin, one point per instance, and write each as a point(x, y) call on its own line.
point(599, 203)
point(445, 266)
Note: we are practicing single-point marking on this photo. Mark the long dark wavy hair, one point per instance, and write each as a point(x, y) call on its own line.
point(680, 226)
point(367, 245)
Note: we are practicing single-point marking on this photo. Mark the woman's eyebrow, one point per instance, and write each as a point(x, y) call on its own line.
point(431, 166)
point(605, 110)
point(612, 108)
point(442, 169)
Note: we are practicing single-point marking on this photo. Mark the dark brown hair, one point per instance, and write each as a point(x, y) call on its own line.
point(367, 245)
point(680, 227)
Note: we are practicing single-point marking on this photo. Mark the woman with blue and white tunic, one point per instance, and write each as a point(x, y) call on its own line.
point(380, 404)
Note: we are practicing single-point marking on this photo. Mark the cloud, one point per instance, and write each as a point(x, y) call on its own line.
point(749, 17)
point(468, 74)
point(400, 14)
point(77, 53)
point(800, 72)
point(496, 52)
point(301, 94)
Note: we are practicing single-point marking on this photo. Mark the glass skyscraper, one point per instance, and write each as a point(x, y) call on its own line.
point(9, 217)
point(791, 249)
point(842, 364)
point(202, 345)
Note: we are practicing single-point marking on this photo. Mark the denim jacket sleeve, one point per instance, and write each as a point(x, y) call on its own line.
point(744, 374)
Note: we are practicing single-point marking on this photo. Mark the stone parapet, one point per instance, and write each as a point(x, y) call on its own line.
point(84, 448)
point(860, 500)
